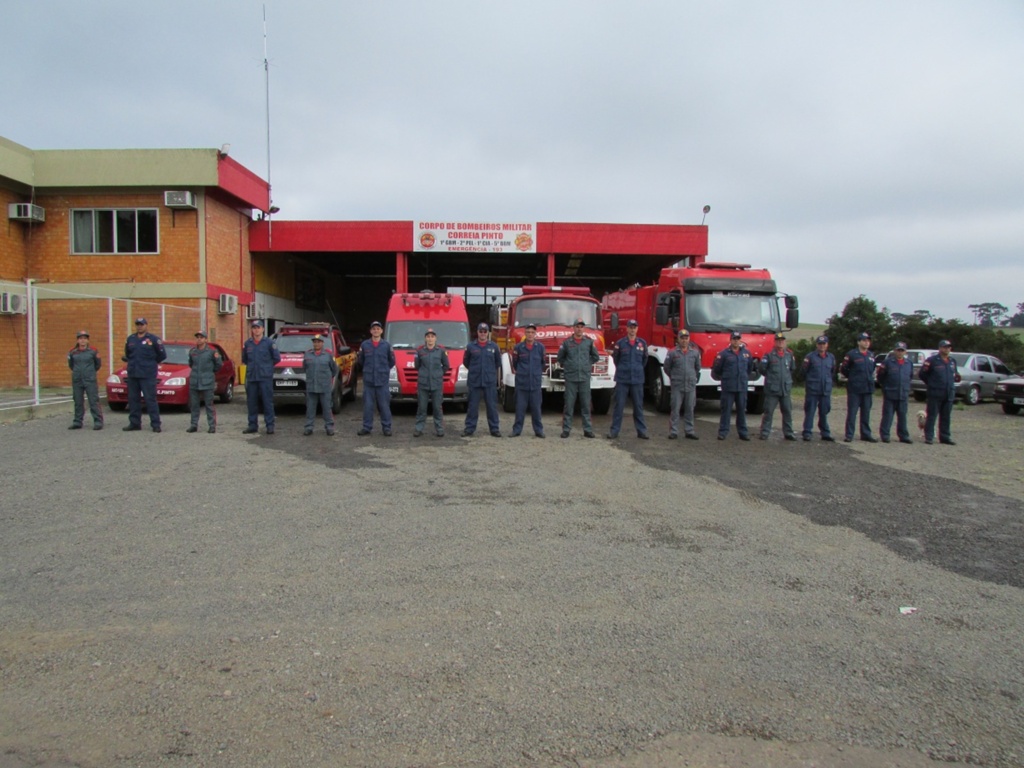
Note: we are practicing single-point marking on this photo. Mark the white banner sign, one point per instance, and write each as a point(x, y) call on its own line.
point(474, 237)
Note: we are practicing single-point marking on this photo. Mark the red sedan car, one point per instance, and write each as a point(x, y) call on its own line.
point(173, 378)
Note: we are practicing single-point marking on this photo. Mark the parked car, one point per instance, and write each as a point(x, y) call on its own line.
point(1010, 393)
point(979, 375)
point(173, 376)
point(292, 342)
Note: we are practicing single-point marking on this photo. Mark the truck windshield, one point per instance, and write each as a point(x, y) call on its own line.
point(732, 312)
point(408, 334)
point(299, 342)
point(556, 312)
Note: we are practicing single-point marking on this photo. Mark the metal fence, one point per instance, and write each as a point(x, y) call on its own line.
point(54, 317)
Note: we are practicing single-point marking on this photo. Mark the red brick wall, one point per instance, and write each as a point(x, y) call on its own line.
point(51, 259)
point(15, 238)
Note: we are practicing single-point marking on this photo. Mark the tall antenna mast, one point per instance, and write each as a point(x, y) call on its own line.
point(266, 81)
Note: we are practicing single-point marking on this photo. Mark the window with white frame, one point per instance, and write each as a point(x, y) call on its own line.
point(115, 230)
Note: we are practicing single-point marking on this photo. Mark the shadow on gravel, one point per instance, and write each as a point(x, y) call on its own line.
point(949, 524)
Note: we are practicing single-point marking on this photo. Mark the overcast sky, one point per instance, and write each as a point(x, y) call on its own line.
point(871, 147)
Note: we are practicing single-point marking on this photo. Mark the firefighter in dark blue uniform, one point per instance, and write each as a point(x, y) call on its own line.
point(528, 360)
point(734, 366)
point(819, 369)
point(895, 374)
point(858, 367)
point(259, 356)
point(483, 361)
point(143, 352)
point(630, 356)
point(940, 373)
point(375, 359)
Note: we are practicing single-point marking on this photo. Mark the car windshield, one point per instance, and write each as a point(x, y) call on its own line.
point(556, 312)
point(299, 342)
point(408, 334)
point(731, 312)
point(177, 354)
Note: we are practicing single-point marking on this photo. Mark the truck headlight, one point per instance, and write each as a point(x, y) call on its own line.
point(113, 379)
point(463, 373)
point(393, 376)
point(177, 381)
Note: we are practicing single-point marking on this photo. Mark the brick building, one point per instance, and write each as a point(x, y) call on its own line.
point(104, 236)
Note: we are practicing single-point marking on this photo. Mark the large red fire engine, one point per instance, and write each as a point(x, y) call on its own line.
point(554, 310)
point(710, 300)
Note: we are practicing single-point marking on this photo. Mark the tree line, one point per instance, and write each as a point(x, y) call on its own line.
point(921, 330)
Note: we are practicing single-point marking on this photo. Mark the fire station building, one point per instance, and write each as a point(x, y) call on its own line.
point(92, 239)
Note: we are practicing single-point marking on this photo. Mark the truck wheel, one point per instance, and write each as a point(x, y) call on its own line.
point(920, 397)
point(661, 394)
point(755, 402)
point(972, 396)
point(336, 399)
point(508, 399)
point(117, 406)
point(229, 392)
point(601, 401)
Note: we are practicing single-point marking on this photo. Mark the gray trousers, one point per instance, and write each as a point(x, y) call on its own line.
point(323, 399)
point(785, 404)
point(577, 390)
point(206, 396)
point(434, 398)
point(687, 400)
point(79, 392)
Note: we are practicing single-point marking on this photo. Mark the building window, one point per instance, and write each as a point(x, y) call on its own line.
point(114, 230)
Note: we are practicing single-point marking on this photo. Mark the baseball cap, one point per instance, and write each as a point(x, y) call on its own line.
point(780, 337)
point(864, 336)
point(736, 335)
point(684, 332)
point(901, 345)
point(256, 324)
point(141, 321)
point(945, 343)
point(197, 334)
point(483, 327)
point(630, 323)
point(821, 340)
point(430, 332)
point(377, 323)
point(317, 337)
point(81, 334)
point(532, 325)
point(581, 321)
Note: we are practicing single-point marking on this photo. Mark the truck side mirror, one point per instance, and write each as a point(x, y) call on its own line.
point(494, 315)
point(613, 321)
point(792, 302)
point(792, 318)
point(661, 314)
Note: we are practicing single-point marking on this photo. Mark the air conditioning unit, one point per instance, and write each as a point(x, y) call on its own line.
point(33, 214)
point(180, 199)
point(13, 304)
point(250, 311)
point(227, 304)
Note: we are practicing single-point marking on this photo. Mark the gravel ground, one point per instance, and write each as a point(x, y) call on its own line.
point(230, 600)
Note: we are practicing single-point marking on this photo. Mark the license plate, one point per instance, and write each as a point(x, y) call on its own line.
point(286, 383)
point(1018, 401)
point(393, 390)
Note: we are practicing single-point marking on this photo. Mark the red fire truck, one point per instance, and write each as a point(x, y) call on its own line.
point(554, 310)
point(710, 300)
point(409, 316)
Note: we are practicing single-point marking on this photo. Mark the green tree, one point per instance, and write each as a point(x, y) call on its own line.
point(989, 313)
point(859, 315)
